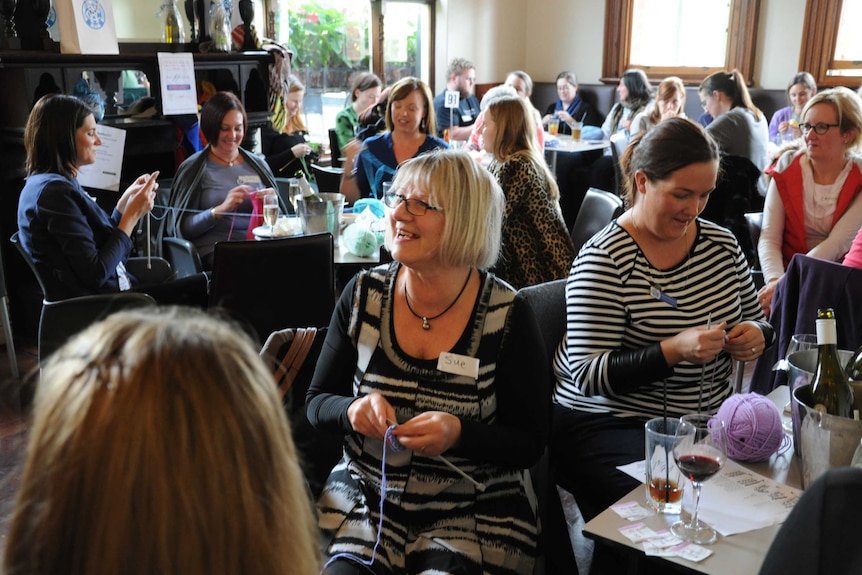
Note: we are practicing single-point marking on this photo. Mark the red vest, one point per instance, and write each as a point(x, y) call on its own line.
point(789, 183)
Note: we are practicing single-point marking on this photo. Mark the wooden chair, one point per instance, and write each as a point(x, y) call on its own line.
point(597, 210)
point(61, 319)
point(275, 284)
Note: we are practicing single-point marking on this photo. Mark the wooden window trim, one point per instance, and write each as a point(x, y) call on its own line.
point(740, 46)
point(818, 43)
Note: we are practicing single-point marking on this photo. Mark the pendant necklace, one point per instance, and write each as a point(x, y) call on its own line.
point(656, 290)
point(425, 319)
point(229, 163)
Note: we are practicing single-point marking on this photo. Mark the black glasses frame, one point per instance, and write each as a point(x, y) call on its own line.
point(819, 128)
point(414, 207)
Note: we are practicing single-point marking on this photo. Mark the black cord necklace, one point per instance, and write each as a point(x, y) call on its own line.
point(425, 325)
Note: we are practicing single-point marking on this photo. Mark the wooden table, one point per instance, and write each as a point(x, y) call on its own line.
point(566, 145)
point(739, 554)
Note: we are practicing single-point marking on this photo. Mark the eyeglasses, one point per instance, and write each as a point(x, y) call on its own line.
point(819, 128)
point(414, 206)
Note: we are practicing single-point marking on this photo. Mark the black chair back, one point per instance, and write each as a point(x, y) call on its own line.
point(183, 256)
point(335, 149)
point(275, 284)
point(598, 209)
point(328, 179)
point(7, 324)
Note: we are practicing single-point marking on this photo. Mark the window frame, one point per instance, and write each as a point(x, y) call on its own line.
point(739, 54)
point(821, 26)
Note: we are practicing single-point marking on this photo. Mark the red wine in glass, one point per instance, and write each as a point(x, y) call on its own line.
point(700, 450)
point(698, 468)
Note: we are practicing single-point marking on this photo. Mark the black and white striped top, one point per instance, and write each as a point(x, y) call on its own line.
point(610, 306)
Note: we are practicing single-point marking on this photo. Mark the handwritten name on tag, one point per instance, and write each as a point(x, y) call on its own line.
point(458, 364)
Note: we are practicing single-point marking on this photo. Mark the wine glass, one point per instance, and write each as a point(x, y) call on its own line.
point(270, 212)
point(700, 450)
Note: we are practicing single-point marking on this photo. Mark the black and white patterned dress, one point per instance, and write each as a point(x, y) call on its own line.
point(435, 521)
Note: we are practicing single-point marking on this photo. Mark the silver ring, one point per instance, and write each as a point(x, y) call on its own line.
point(753, 350)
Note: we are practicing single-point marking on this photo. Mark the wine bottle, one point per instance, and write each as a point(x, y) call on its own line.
point(830, 389)
point(854, 366)
point(172, 31)
point(308, 194)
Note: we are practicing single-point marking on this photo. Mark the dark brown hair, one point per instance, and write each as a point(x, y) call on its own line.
point(49, 137)
point(731, 84)
point(214, 111)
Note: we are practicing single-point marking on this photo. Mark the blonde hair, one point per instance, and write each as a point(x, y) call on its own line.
point(472, 203)
point(516, 135)
point(848, 108)
point(159, 445)
point(295, 123)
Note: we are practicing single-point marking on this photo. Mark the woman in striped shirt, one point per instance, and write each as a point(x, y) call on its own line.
point(656, 303)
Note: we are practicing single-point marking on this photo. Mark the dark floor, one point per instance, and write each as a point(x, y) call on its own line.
point(13, 426)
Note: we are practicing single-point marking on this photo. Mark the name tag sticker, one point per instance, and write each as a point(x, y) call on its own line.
point(249, 180)
point(466, 118)
point(458, 364)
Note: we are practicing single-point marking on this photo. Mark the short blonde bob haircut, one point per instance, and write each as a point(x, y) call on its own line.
point(848, 107)
point(159, 445)
point(472, 203)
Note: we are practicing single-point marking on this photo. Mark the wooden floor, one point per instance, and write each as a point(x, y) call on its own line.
point(13, 426)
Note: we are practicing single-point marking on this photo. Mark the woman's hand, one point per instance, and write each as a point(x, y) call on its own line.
point(371, 415)
point(764, 296)
point(783, 127)
point(565, 117)
point(234, 198)
point(301, 150)
point(745, 342)
point(431, 433)
point(696, 345)
point(136, 202)
point(136, 186)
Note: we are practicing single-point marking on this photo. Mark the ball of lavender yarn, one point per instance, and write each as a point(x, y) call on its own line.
point(753, 425)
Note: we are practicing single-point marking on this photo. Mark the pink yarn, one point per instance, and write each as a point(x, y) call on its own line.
point(753, 424)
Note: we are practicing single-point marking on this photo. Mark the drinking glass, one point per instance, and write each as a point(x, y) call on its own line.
point(294, 193)
point(270, 211)
point(801, 342)
point(700, 450)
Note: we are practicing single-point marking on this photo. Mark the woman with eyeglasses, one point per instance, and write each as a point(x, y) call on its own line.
point(432, 370)
point(812, 206)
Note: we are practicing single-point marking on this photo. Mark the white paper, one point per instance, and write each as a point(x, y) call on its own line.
point(177, 76)
point(104, 174)
point(736, 499)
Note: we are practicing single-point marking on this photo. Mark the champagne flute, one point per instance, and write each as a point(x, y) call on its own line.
point(700, 450)
point(270, 211)
point(295, 194)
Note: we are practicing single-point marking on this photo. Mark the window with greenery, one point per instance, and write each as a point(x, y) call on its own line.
point(832, 47)
point(332, 40)
point(679, 37)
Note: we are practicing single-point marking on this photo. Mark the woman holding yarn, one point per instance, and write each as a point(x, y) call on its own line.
point(658, 305)
point(425, 371)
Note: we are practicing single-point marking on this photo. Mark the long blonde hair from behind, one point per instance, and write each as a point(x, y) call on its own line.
point(295, 123)
point(159, 445)
point(516, 135)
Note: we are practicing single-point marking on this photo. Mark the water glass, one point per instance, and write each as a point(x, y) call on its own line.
point(664, 480)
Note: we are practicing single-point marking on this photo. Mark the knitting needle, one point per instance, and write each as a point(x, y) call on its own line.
point(703, 370)
point(478, 485)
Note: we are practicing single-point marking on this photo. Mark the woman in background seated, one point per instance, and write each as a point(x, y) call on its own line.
point(77, 248)
point(159, 445)
point(433, 351)
point(288, 152)
point(669, 103)
point(813, 204)
point(635, 93)
point(537, 246)
point(519, 84)
point(801, 88)
point(211, 196)
point(738, 127)
point(570, 107)
point(363, 94)
point(655, 300)
point(410, 125)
